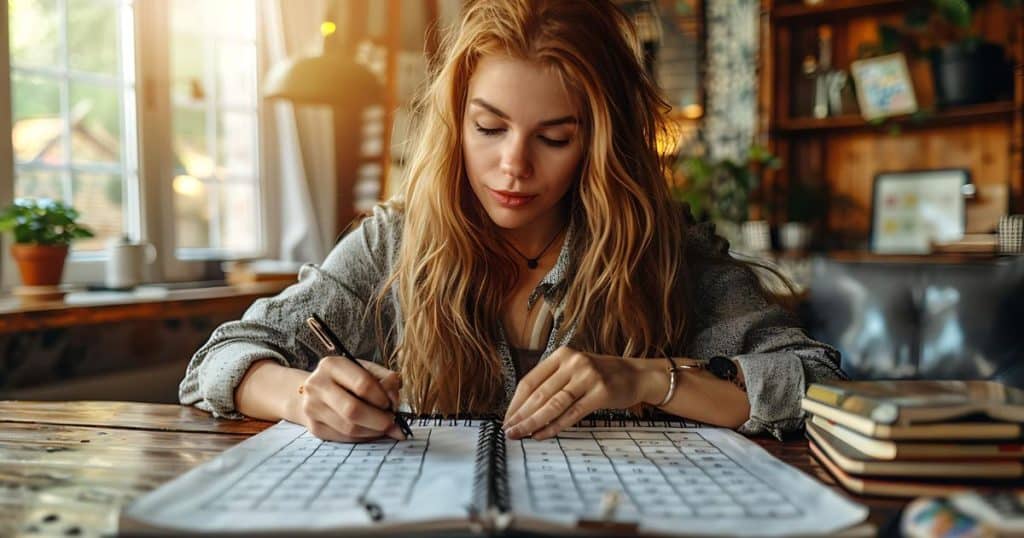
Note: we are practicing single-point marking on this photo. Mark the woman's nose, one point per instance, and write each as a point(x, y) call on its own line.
point(515, 159)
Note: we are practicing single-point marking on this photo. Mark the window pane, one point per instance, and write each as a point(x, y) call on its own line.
point(238, 228)
point(192, 204)
point(187, 69)
point(188, 16)
point(98, 197)
point(236, 143)
point(34, 32)
point(233, 18)
point(92, 36)
point(190, 148)
point(96, 123)
point(39, 184)
point(38, 127)
point(236, 74)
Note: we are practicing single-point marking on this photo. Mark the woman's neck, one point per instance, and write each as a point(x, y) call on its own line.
point(532, 238)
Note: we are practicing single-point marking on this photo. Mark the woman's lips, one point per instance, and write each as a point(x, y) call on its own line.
point(511, 200)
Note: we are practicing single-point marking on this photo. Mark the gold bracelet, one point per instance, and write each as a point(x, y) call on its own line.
point(673, 368)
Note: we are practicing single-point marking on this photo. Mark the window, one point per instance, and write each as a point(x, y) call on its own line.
point(73, 96)
point(77, 116)
point(215, 135)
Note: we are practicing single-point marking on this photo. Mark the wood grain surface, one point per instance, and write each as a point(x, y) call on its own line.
point(67, 468)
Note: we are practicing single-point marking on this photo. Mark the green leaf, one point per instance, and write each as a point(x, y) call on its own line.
point(957, 12)
point(42, 221)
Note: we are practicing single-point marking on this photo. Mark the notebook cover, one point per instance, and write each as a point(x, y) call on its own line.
point(899, 450)
point(894, 487)
point(967, 430)
point(855, 462)
point(908, 402)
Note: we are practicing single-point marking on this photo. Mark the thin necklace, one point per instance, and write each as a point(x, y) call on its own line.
point(532, 262)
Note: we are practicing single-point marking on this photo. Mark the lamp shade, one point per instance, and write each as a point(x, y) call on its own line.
point(329, 79)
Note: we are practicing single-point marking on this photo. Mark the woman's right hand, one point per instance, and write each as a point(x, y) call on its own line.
point(340, 401)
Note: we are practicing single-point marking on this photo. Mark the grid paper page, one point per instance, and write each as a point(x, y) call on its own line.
point(309, 473)
point(702, 480)
point(286, 479)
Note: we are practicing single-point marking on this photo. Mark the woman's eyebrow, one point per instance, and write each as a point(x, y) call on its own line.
point(497, 112)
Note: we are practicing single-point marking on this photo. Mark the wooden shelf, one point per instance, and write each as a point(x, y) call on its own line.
point(833, 8)
point(85, 308)
point(1000, 110)
point(864, 256)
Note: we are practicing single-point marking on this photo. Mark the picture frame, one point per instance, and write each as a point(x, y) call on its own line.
point(912, 210)
point(883, 86)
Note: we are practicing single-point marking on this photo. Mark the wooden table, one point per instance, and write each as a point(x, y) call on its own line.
point(68, 467)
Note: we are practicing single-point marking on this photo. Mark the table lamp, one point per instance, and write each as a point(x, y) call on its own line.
point(334, 79)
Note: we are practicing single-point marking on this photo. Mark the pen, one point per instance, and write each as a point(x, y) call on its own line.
point(333, 344)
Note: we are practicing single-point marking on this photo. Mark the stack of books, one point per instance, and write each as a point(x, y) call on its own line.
point(912, 438)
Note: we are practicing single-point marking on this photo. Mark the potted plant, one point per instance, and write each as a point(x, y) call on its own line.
point(965, 68)
point(42, 229)
point(719, 190)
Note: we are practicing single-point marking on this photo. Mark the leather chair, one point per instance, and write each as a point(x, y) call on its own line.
point(921, 320)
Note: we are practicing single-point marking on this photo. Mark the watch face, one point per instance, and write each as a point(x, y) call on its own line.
point(722, 368)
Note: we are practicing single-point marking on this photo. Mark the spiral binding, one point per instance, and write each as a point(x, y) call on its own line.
point(603, 418)
point(490, 479)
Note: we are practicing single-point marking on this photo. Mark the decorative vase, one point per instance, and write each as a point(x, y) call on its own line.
point(40, 265)
point(968, 73)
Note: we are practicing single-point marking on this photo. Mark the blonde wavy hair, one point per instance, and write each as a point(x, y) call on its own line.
point(627, 292)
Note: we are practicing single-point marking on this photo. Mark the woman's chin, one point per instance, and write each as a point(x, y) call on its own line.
point(508, 219)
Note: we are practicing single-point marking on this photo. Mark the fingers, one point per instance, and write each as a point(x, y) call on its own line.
point(550, 388)
point(351, 401)
point(335, 407)
point(392, 383)
point(534, 379)
point(569, 417)
point(328, 433)
point(362, 383)
point(566, 406)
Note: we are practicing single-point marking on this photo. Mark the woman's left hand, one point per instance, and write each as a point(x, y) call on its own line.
point(569, 384)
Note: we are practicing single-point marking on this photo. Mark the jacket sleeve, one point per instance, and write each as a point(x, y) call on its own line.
point(776, 356)
point(339, 290)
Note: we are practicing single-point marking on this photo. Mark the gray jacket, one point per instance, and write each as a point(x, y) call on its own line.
point(732, 319)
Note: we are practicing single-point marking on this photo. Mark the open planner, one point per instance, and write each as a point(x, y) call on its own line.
point(457, 475)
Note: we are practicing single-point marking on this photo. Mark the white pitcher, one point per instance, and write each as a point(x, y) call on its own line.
point(126, 262)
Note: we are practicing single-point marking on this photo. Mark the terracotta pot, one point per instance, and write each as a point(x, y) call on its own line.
point(40, 265)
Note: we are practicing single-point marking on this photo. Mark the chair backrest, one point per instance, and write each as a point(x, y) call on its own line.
point(894, 320)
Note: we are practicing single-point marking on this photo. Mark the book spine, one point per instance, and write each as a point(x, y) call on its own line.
point(490, 483)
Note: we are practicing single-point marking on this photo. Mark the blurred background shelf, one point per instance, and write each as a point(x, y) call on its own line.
point(797, 11)
point(997, 111)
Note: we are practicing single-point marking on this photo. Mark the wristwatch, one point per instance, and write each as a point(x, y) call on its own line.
point(724, 368)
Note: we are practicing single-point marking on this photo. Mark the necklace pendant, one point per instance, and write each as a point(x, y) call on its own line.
point(532, 264)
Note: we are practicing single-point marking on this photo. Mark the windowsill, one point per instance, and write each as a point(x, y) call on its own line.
point(151, 301)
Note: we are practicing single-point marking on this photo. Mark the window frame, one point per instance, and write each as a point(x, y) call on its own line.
point(149, 199)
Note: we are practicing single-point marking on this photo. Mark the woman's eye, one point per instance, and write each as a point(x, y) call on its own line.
point(488, 132)
point(554, 143)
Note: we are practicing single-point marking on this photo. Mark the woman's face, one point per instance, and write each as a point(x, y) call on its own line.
point(521, 141)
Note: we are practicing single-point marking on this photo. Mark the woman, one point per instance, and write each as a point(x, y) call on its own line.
point(535, 264)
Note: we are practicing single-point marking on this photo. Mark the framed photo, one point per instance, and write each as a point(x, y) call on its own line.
point(912, 210)
point(884, 87)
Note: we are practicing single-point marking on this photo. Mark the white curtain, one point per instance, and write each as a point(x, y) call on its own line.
point(300, 143)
